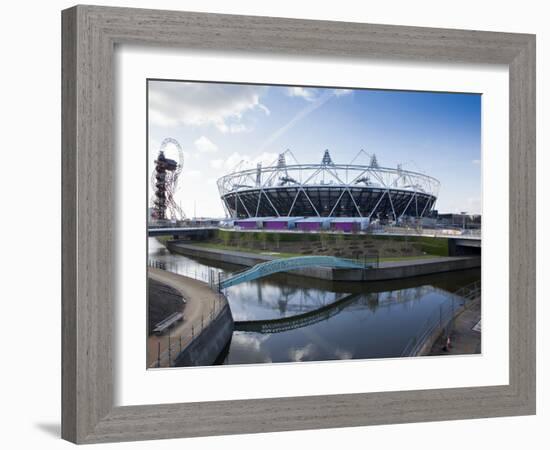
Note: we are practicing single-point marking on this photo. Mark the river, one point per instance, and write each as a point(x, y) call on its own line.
point(372, 320)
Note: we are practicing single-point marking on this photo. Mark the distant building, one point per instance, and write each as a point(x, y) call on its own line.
point(201, 222)
point(468, 221)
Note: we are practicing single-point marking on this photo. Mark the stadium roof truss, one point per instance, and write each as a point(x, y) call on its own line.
point(327, 190)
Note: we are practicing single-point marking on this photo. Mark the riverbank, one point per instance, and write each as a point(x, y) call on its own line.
point(205, 312)
point(465, 334)
point(386, 270)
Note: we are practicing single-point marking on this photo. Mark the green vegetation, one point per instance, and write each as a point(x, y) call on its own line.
point(216, 246)
point(163, 239)
point(219, 246)
point(434, 246)
point(389, 247)
point(263, 240)
point(226, 238)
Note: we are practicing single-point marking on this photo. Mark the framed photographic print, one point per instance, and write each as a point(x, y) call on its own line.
point(285, 217)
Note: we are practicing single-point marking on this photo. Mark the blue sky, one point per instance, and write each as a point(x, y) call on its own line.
point(219, 125)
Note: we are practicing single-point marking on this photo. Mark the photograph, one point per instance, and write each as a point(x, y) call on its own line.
point(261, 224)
point(290, 224)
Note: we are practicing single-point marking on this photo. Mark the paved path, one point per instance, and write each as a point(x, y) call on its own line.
point(420, 261)
point(465, 340)
point(202, 304)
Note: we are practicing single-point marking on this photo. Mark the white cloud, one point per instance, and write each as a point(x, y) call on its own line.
point(309, 94)
point(192, 173)
point(248, 162)
point(301, 354)
point(217, 163)
point(250, 341)
point(341, 92)
point(234, 128)
point(312, 94)
point(343, 354)
point(173, 103)
point(476, 161)
point(205, 145)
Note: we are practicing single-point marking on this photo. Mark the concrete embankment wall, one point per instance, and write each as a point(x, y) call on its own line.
point(408, 269)
point(238, 258)
point(204, 349)
point(386, 271)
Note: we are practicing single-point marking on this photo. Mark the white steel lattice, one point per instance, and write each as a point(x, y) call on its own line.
point(328, 190)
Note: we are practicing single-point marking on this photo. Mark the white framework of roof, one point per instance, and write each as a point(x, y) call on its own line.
point(346, 179)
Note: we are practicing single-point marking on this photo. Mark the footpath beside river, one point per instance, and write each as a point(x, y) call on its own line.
point(203, 309)
point(465, 337)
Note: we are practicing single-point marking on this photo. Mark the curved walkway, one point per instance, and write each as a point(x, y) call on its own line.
point(285, 264)
point(202, 305)
point(465, 336)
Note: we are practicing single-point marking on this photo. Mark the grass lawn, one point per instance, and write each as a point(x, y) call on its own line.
point(290, 255)
point(245, 250)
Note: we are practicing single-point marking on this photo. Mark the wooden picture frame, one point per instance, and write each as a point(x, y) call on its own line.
point(90, 34)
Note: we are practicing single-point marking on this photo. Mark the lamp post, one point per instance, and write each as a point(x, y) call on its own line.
point(463, 214)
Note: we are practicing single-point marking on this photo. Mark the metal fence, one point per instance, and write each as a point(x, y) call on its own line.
point(429, 232)
point(442, 320)
point(205, 274)
point(369, 260)
point(169, 346)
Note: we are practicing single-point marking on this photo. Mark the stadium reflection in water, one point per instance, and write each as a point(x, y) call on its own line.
point(369, 320)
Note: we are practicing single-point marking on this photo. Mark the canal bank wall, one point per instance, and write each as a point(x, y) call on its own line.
point(465, 339)
point(408, 269)
point(457, 323)
point(205, 348)
point(205, 330)
point(385, 271)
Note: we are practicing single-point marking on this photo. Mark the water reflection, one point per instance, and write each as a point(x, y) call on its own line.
point(377, 322)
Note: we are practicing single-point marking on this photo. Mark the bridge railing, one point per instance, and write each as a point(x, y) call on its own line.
point(293, 263)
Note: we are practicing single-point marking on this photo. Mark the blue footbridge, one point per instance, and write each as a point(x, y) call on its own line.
point(286, 264)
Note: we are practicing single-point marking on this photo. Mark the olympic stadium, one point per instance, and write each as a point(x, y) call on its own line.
point(328, 190)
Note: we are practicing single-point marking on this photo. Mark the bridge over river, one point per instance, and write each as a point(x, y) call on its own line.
point(285, 264)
